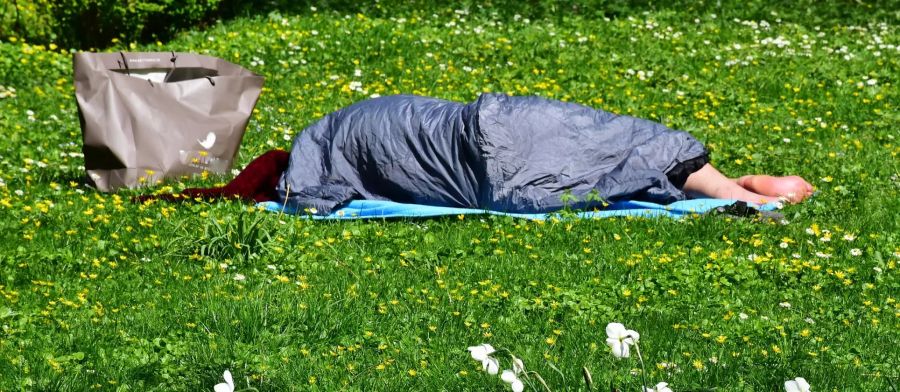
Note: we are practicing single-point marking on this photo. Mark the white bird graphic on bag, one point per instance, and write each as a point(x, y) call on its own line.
point(209, 141)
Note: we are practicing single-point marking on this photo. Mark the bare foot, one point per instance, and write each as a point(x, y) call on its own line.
point(791, 188)
point(709, 182)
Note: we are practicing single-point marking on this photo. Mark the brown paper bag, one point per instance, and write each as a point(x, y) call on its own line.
point(147, 116)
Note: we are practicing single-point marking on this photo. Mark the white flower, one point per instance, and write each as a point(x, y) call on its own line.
point(798, 384)
point(239, 277)
point(518, 365)
point(786, 305)
point(855, 252)
point(483, 353)
point(491, 365)
point(512, 379)
point(227, 386)
point(661, 387)
point(619, 339)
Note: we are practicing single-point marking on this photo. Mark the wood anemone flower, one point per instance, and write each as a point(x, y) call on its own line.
point(227, 386)
point(620, 339)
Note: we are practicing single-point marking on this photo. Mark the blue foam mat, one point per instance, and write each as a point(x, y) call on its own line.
point(378, 209)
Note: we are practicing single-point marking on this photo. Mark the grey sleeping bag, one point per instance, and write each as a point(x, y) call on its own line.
point(513, 154)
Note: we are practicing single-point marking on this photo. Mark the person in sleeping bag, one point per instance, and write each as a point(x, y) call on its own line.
point(505, 153)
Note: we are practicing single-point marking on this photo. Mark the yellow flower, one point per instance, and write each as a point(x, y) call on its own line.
point(698, 364)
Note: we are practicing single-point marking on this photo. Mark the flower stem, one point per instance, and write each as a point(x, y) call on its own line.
point(643, 370)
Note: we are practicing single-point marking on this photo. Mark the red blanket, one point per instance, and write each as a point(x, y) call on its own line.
point(255, 183)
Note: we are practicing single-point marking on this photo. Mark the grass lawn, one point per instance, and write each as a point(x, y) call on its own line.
point(100, 293)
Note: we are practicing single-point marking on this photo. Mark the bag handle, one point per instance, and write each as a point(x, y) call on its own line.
point(125, 62)
point(173, 59)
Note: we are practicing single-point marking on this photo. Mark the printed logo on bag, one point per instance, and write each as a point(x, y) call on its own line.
point(209, 141)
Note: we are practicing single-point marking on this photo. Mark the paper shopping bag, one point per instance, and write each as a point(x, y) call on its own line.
point(149, 116)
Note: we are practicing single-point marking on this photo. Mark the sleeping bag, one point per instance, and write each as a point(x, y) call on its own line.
point(500, 153)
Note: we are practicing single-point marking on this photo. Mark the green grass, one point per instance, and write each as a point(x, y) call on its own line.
point(99, 293)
